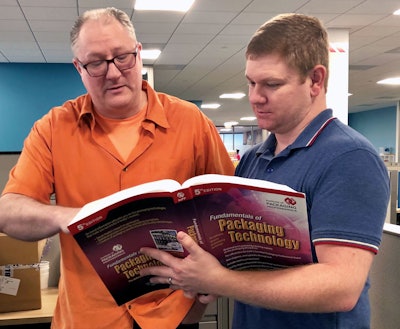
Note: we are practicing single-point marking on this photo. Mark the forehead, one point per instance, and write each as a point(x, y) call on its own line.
point(266, 65)
point(267, 68)
point(102, 36)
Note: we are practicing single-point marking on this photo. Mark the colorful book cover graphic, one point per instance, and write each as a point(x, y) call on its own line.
point(112, 245)
point(251, 229)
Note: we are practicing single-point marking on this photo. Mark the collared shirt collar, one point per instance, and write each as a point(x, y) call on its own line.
point(155, 110)
point(307, 136)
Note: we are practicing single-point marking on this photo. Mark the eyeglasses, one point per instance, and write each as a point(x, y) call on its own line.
point(100, 68)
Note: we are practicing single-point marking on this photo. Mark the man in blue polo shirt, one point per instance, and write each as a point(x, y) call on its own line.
point(344, 179)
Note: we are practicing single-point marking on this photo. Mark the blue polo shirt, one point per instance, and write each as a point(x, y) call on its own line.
point(347, 190)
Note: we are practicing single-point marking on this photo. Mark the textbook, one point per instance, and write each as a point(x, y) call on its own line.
point(247, 224)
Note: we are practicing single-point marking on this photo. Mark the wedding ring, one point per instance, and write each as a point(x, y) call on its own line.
point(170, 280)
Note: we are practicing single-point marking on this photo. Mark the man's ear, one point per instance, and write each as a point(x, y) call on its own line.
point(77, 66)
point(317, 76)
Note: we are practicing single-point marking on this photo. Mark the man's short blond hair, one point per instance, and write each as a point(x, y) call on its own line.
point(300, 39)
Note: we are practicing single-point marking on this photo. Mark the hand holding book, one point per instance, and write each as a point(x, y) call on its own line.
point(173, 268)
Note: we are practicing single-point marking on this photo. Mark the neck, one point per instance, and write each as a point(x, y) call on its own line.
point(284, 139)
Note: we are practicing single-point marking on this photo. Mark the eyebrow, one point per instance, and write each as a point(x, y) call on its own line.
point(262, 81)
point(100, 56)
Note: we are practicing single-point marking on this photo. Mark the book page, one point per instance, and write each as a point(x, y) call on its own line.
point(216, 178)
point(164, 185)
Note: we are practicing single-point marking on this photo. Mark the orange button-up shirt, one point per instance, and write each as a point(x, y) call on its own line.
point(67, 154)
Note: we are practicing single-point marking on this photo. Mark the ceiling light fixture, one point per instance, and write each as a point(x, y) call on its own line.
point(233, 95)
point(229, 124)
point(390, 81)
point(248, 118)
point(150, 53)
point(210, 106)
point(170, 5)
point(397, 12)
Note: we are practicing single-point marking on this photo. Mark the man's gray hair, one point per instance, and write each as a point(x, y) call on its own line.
point(102, 13)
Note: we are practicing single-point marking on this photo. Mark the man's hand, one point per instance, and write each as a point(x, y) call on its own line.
point(189, 274)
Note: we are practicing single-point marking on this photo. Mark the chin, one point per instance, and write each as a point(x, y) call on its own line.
point(264, 124)
point(117, 102)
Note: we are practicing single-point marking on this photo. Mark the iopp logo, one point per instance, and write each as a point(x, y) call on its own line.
point(290, 201)
point(117, 247)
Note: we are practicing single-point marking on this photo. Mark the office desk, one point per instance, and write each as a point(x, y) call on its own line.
point(43, 315)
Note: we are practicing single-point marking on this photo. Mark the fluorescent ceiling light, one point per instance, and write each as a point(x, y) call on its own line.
point(397, 12)
point(150, 53)
point(170, 5)
point(390, 81)
point(233, 95)
point(210, 106)
point(229, 124)
point(248, 118)
point(225, 129)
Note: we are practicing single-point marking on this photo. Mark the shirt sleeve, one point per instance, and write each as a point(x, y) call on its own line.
point(213, 157)
point(349, 202)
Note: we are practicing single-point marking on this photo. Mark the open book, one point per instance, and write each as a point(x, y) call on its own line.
point(245, 223)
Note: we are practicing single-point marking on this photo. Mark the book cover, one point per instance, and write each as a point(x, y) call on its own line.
point(246, 224)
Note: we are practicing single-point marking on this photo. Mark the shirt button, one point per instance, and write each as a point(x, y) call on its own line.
point(125, 169)
point(269, 170)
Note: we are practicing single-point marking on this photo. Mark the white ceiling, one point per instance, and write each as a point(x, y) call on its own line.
point(203, 50)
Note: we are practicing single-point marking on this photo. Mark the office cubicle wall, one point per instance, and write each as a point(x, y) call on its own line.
point(385, 281)
point(7, 161)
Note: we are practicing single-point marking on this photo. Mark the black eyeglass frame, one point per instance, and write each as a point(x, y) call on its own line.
point(108, 61)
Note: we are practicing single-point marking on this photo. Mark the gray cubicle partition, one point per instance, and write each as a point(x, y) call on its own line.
point(385, 281)
point(7, 161)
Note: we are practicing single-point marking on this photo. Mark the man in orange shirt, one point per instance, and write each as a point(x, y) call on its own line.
point(120, 134)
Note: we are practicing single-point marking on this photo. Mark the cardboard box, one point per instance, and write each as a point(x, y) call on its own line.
point(19, 269)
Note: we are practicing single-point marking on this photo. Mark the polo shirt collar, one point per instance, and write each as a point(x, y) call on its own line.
point(307, 137)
